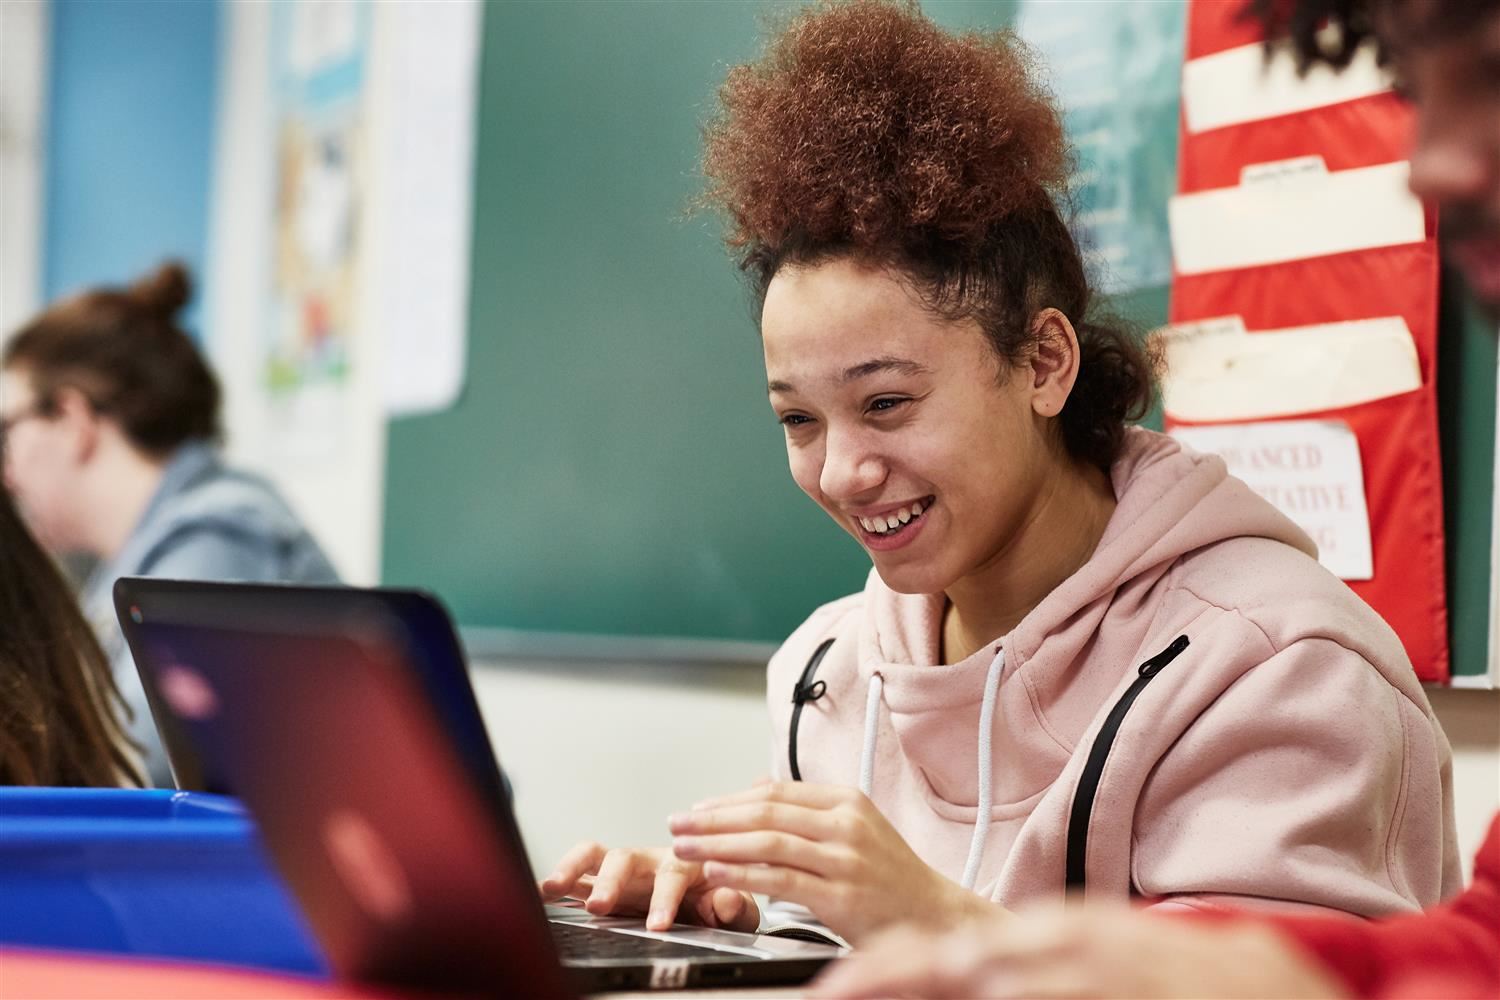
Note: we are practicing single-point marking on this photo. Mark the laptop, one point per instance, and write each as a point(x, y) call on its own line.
point(344, 719)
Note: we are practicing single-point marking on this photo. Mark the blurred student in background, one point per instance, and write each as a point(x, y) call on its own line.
point(110, 418)
point(1446, 57)
point(60, 712)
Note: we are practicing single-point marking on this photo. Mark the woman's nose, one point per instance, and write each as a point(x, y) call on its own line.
point(1452, 164)
point(850, 467)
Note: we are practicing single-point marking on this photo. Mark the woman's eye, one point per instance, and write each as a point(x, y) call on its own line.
point(795, 420)
point(887, 403)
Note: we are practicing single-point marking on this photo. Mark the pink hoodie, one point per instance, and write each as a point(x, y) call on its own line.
point(1277, 751)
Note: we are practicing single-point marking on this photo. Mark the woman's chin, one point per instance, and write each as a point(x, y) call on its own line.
point(911, 579)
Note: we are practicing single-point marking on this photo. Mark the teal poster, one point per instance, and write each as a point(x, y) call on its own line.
point(1116, 68)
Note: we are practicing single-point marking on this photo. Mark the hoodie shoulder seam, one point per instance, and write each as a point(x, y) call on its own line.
point(1277, 649)
point(1187, 588)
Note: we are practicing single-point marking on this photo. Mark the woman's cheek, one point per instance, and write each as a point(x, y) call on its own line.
point(806, 465)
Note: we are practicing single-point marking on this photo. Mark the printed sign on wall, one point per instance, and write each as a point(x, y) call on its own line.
point(1310, 471)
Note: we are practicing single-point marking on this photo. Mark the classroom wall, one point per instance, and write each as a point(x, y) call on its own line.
point(130, 121)
point(596, 749)
point(337, 490)
point(23, 85)
point(606, 751)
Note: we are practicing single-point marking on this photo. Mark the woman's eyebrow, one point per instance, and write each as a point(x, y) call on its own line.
point(901, 366)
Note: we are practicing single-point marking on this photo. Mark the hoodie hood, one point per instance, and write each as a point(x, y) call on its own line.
point(1291, 717)
point(1171, 501)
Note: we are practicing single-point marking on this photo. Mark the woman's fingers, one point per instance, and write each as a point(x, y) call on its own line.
point(729, 909)
point(803, 821)
point(765, 847)
point(734, 910)
point(581, 860)
point(799, 793)
point(783, 883)
point(615, 875)
point(673, 879)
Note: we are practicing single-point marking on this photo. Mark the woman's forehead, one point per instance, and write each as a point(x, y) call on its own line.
point(804, 353)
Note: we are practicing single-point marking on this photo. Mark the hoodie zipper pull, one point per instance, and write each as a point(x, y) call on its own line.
point(1079, 816)
point(1152, 666)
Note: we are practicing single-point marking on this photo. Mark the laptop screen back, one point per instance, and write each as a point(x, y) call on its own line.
point(394, 838)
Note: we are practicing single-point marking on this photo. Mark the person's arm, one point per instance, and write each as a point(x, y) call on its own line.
point(1082, 951)
point(1452, 950)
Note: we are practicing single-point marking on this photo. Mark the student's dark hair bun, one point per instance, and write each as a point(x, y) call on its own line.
point(866, 130)
point(127, 352)
point(165, 290)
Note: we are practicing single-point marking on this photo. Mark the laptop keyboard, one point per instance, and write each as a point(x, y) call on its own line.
point(577, 941)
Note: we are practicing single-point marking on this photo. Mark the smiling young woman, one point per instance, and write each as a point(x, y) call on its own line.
point(1086, 657)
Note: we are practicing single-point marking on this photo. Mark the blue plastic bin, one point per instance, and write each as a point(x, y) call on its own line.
point(145, 872)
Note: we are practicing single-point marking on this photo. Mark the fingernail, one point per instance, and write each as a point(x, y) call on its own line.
point(684, 846)
point(677, 820)
point(658, 920)
point(715, 871)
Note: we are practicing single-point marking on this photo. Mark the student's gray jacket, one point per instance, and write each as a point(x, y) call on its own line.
point(205, 522)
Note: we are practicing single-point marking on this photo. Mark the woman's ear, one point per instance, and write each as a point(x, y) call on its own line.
point(1054, 362)
point(82, 422)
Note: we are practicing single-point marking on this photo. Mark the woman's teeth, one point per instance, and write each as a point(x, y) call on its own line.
point(890, 523)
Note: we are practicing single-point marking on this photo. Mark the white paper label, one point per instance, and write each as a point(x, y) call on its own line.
point(1310, 470)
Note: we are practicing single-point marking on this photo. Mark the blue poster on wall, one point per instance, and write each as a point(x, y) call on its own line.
point(1116, 68)
point(319, 67)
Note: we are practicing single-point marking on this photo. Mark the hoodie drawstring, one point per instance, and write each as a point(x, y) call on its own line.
point(986, 769)
point(872, 726)
point(986, 762)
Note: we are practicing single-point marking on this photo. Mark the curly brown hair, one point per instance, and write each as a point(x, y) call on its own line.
point(865, 130)
point(124, 349)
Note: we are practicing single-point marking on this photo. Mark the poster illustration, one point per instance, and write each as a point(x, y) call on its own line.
point(1116, 68)
point(319, 49)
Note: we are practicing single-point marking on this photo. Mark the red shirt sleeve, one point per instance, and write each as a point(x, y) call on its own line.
point(1452, 950)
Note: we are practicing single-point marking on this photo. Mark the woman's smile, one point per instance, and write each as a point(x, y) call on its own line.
point(893, 528)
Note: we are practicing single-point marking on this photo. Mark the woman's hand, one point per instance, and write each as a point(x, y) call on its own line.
point(1087, 952)
point(825, 847)
point(651, 882)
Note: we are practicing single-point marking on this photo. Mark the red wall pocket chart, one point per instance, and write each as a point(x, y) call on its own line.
point(1303, 344)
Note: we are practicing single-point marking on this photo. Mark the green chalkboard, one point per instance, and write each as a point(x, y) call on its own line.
point(612, 467)
point(1466, 412)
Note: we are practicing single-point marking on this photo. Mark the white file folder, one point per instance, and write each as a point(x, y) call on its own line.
point(1312, 213)
point(1241, 85)
point(1217, 371)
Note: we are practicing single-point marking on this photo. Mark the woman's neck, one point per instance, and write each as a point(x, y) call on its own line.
point(118, 489)
point(1061, 535)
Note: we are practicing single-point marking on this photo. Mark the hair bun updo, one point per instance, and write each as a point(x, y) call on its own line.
point(165, 290)
point(864, 129)
point(866, 124)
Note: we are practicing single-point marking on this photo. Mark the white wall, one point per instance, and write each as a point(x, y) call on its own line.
point(607, 751)
point(23, 97)
point(1472, 721)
